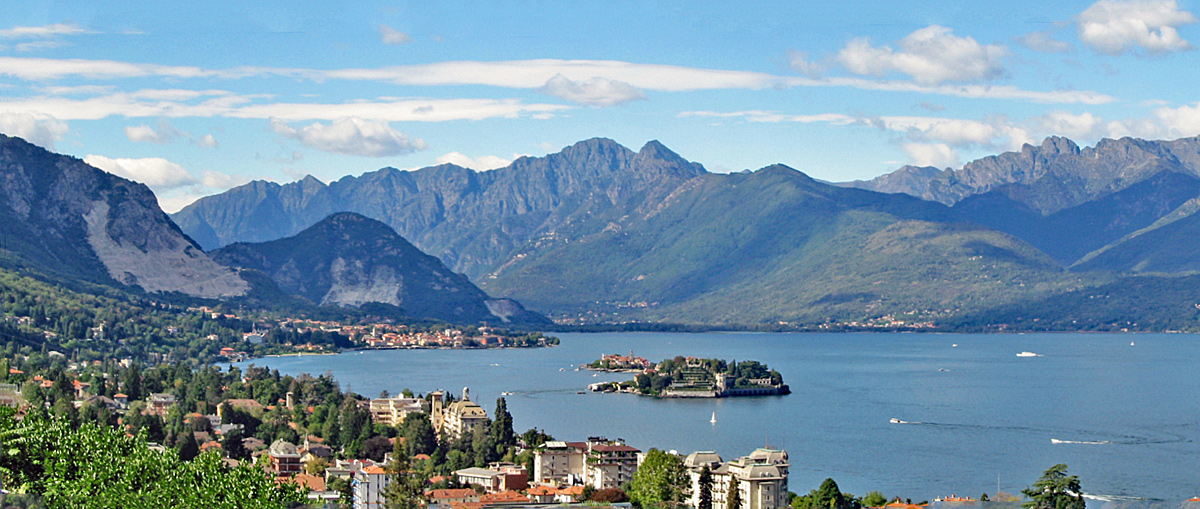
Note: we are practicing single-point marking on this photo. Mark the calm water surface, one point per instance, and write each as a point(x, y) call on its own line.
point(977, 412)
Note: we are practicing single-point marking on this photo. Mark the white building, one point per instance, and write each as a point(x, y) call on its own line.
point(609, 464)
point(392, 411)
point(559, 463)
point(368, 484)
point(760, 478)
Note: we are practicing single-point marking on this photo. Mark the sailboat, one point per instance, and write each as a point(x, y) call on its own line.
point(714, 418)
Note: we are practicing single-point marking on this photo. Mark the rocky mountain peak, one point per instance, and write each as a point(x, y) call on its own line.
point(72, 220)
point(1058, 145)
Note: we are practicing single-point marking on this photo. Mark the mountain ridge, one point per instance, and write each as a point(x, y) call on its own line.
point(348, 259)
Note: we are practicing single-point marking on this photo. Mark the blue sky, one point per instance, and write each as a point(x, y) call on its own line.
point(192, 98)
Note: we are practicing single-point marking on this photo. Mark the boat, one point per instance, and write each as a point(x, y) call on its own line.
point(562, 369)
point(506, 393)
point(1131, 343)
point(1028, 354)
point(714, 418)
point(954, 345)
point(897, 421)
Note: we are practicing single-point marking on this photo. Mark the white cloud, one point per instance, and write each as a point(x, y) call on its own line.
point(139, 104)
point(41, 31)
point(1083, 126)
point(1183, 121)
point(1042, 42)
point(157, 173)
point(39, 45)
point(799, 62)
point(480, 163)
point(221, 181)
point(931, 55)
point(36, 128)
point(1114, 27)
point(533, 74)
point(207, 141)
point(596, 91)
point(392, 36)
point(145, 133)
point(938, 155)
point(351, 135)
point(775, 117)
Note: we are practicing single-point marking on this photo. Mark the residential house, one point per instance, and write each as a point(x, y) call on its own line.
point(285, 458)
point(159, 403)
point(609, 464)
point(559, 463)
point(506, 497)
point(368, 485)
point(448, 497)
point(392, 411)
point(496, 478)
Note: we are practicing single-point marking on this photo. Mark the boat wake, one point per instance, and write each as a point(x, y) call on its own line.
point(1085, 442)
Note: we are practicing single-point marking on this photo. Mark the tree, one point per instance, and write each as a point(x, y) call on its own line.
point(828, 496)
point(188, 448)
point(502, 427)
point(419, 437)
point(660, 481)
point(96, 466)
point(876, 499)
point(735, 495)
point(376, 448)
point(405, 489)
point(1055, 490)
point(705, 488)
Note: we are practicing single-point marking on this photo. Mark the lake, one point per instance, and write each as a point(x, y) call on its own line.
point(1124, 415)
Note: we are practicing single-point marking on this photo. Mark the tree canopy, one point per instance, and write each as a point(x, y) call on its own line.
point(1055, 490)
point(660, 481)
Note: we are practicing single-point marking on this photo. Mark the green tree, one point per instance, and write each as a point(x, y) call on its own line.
point(735, 495)
point(405, 486)
point(876, 499)
point(828, 496)
point(705, 487)
point(1055, 490)
point(419, 437)
point(96, 466)
point(188, 448)
point(660, 481)
point(502, 426)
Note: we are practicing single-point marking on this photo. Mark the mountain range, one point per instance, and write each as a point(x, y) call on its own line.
point(73, 224)
point(598, 232)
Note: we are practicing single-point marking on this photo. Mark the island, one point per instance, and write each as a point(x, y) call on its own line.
point(689, 377)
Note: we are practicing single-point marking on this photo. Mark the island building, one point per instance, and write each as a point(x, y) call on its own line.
point(599, 463)
point(458, 418)
point(760, 478)
point(392, 411)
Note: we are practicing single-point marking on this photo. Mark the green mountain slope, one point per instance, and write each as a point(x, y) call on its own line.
point(348, 259)
point(773, 245)
point(1170, 245)
point(1069, 234)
